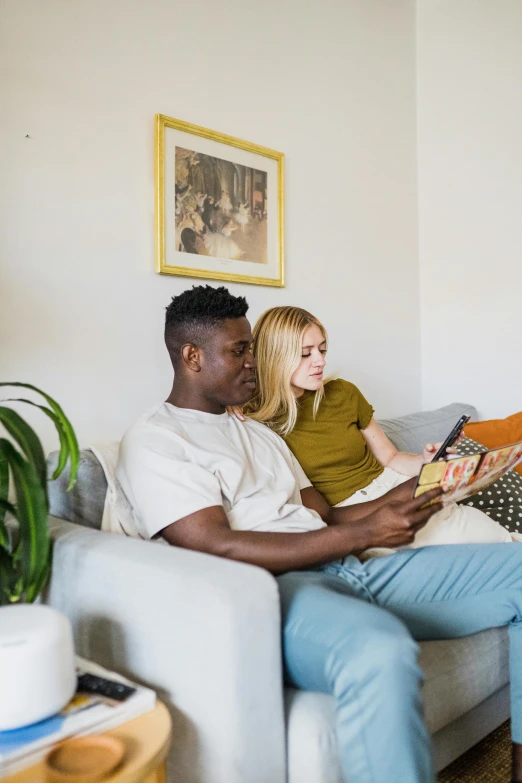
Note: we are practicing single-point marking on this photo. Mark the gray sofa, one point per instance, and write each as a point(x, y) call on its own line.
point(205, 633)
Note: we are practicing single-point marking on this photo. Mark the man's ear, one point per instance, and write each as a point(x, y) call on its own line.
point(191, 356)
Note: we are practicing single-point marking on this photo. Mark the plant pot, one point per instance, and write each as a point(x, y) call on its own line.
point(37, 668)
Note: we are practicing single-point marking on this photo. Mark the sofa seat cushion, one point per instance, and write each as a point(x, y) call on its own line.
point(459, 675)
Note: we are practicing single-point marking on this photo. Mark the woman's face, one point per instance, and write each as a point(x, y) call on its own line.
point(309, 374)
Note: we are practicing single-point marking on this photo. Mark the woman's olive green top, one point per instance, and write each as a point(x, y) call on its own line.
point(331, 449)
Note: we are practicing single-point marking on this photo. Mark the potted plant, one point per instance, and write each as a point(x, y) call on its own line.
point(37, 676)
point(25, 548)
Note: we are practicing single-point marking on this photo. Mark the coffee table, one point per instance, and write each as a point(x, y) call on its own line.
point(147, 741)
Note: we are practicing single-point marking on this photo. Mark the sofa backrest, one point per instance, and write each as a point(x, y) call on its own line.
point(84, 503)
point(411, 433)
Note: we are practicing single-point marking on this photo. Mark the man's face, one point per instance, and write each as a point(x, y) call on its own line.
point(227, 363)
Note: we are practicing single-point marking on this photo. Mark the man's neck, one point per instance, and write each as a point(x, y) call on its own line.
point(188, 398)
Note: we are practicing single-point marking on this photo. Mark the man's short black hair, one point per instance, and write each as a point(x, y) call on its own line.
point(196, 311)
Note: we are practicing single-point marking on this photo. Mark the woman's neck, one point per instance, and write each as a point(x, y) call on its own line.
point(297, 392)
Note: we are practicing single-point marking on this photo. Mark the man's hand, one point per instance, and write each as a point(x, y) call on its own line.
point(357, 517)
point(396, 522)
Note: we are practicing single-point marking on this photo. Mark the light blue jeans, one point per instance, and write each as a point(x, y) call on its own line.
point(350, 630)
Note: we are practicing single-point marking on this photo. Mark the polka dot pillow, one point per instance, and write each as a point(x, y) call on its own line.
point(502, 501)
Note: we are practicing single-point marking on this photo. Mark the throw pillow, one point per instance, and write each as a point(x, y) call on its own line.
point(502, 501)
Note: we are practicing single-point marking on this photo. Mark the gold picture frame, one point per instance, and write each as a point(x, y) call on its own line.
point(219, 206)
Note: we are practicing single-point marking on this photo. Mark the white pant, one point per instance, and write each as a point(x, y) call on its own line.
point(453, 524)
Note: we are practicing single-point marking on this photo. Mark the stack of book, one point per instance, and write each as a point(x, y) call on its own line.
point(88, 712)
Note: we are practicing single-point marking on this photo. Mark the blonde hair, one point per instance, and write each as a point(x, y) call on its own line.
point(278, 340)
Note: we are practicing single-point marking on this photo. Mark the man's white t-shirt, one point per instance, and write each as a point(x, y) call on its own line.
point(176, 461)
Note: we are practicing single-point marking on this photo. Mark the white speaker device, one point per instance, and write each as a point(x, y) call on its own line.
point(37, 669)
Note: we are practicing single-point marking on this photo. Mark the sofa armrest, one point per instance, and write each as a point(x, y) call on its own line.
point(204, 632)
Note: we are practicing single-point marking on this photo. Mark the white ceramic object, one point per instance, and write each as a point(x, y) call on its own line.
point(37, 668)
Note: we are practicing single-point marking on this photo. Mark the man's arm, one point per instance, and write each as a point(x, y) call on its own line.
point(393, 524)
point(332, 515)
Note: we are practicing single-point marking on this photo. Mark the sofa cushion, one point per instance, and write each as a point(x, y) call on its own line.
point(84, 503)
point(502, 500)
point(412, 432)
point(459, 675)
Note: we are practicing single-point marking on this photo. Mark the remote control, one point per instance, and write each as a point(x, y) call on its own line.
point(90, 683)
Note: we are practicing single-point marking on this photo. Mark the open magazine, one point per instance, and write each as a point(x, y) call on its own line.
point(464, 476)
point(86, 713)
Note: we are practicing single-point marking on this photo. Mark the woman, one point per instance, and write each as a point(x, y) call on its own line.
point(330, 428)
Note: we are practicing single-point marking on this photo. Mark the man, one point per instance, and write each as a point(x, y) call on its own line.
point(201, 479)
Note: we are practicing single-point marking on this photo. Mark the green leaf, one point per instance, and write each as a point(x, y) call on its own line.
point(35, 589)
point(32, 550)
point(74, 450)
point(8, 579)
point(6, 506)
point(27, 439)
point(64, 446)
point(4, 492)
point(5, 538)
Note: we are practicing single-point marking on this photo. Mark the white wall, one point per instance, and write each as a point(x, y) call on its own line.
point(469, 93)
point(331, 84)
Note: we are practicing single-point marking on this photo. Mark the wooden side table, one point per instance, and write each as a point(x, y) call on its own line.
point(147, 741)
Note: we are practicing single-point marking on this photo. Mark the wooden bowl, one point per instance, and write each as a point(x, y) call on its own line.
point(84, 759)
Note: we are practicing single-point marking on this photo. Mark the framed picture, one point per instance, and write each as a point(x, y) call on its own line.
point(219, 206)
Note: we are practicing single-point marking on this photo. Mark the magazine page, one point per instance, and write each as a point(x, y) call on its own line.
point(464, 476)
point(86, 713)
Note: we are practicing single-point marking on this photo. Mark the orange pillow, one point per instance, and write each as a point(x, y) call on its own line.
point(497, 432)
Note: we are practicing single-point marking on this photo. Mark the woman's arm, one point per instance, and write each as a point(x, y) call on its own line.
point(385, 452)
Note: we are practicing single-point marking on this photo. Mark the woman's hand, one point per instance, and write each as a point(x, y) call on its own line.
point(430, 449)
point(236, 411)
